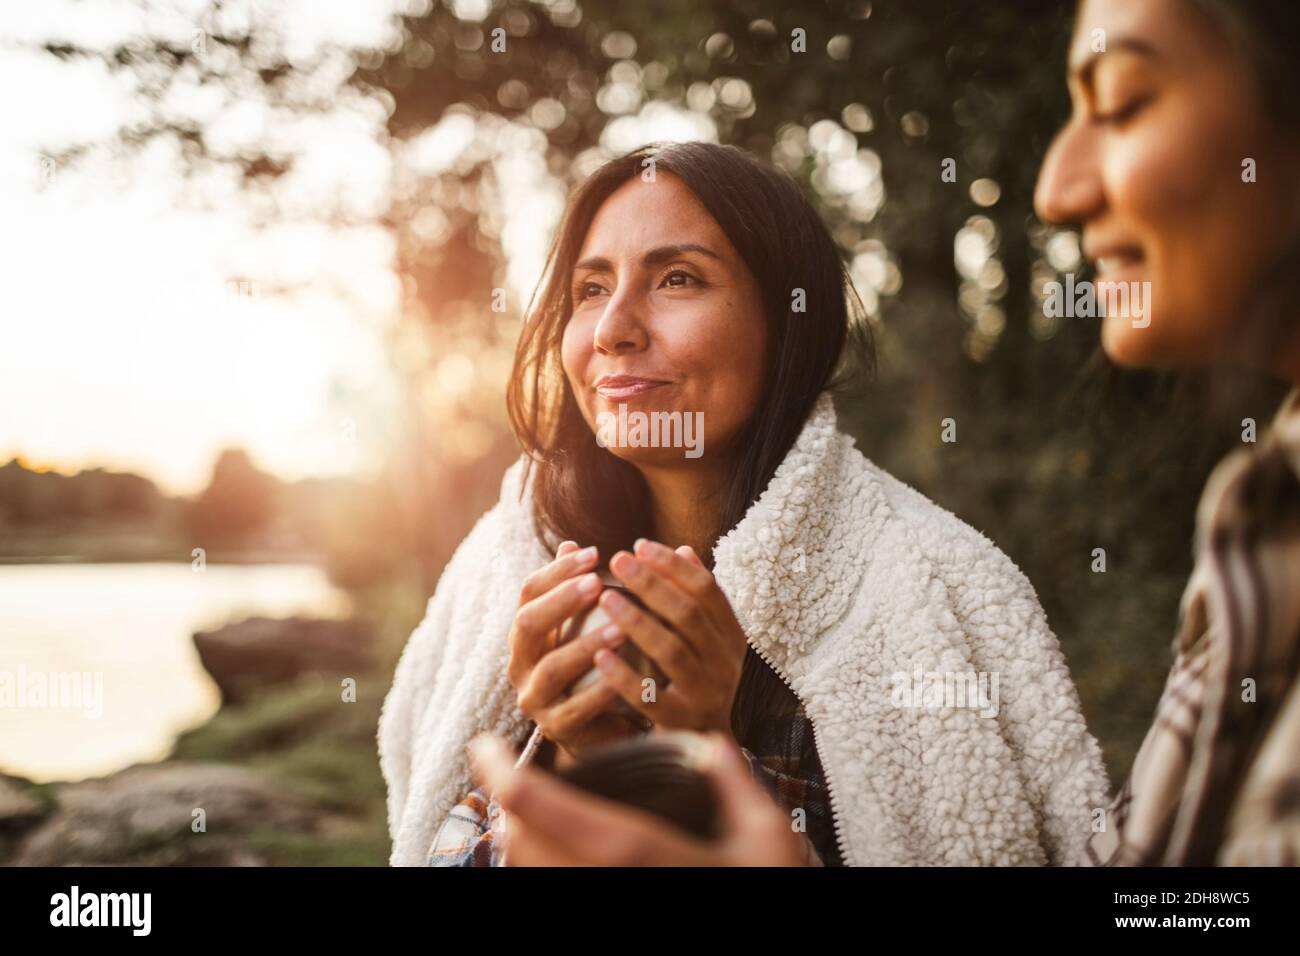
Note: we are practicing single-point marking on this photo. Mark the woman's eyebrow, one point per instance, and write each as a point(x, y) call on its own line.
point(1082, 71)
point(656, 256)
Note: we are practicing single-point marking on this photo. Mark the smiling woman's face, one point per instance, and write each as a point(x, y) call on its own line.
point(1150, 165)
point(666, 318)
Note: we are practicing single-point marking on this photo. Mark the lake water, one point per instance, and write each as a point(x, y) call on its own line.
point(119, 635)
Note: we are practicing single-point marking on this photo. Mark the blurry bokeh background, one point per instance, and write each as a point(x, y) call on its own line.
point(265, 263)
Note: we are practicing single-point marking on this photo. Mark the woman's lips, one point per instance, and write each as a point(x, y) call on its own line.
point(625, 386)
point(1108, 265)
point(1120, 269)
point(1114, 259)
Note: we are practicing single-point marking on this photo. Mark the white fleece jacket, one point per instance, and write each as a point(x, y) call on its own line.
point(843, 578)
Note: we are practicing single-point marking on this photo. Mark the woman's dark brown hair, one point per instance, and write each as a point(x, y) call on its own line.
point(583, 492)
point(1266, 36)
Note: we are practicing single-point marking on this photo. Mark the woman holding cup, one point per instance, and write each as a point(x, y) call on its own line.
point(791, 589)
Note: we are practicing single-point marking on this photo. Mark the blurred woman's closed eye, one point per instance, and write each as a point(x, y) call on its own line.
point(1122, 115)
point(1119, 89)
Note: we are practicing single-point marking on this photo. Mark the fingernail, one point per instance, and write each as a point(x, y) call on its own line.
point(589, 584)
point(628, 565)
point(613, 601)
point(605, 661)
point(651, 549)
point(490, 758)
point(588, 554)
point(612, 635)
point(638, 544)
point(720, 753)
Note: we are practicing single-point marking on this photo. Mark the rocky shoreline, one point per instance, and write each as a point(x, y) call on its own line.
point(284, 773)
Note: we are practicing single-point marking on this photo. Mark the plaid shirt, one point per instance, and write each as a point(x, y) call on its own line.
point(783, 757)
point(1217, 779)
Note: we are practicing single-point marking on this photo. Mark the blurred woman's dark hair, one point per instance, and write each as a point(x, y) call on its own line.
point(1267, 36)
point(585, 493)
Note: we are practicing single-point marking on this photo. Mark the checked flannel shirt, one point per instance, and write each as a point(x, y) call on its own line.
point(1217, 778)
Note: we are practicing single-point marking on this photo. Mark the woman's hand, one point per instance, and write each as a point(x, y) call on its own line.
point(701, 650)
point(541, 672)
point(550, 823)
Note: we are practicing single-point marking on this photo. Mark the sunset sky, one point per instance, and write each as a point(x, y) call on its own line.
point(125, 343)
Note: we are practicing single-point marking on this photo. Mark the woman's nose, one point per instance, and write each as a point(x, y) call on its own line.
point(621, 327)
point(1069, 189)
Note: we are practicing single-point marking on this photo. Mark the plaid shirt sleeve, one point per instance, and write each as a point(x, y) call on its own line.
point(468, 836)
point(1137, 822)
point(1215, 780)
point(785, 761)
point(784, 789)
point(472, 833)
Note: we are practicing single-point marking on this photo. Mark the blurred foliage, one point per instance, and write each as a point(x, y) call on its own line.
point(31, 498)
point(94, 514)
point(1050, 461)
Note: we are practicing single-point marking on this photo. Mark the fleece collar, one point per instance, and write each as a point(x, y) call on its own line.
point(791, 566)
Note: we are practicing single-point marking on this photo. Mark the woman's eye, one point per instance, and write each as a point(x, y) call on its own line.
point(584, 290)
point(1125, 113)
point(685, 277)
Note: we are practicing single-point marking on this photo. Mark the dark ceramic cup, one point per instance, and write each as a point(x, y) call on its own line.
point(595, 618)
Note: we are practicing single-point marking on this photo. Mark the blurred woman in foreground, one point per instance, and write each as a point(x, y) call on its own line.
point(1181, 164)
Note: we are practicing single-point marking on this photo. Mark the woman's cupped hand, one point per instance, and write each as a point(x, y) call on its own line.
point(687, 628)
point(692, 634)
point(542, 669)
